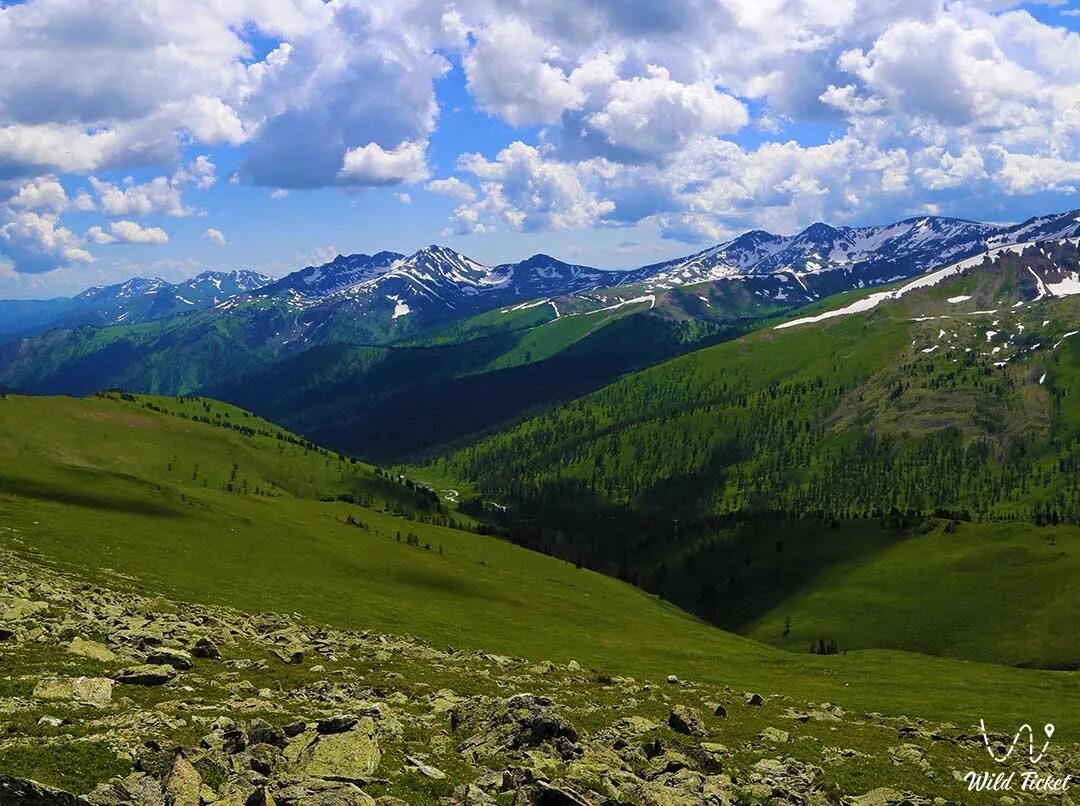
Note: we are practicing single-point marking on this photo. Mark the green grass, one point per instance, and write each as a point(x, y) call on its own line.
point(107, 489)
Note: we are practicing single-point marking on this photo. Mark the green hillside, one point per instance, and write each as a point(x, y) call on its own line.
point(785, 474)
point(222, 508)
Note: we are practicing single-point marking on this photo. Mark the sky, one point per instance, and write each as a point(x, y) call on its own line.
point(167, 137)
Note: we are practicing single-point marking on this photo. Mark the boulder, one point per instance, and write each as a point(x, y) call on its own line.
point(183, 784)
point(164, 656)
point(349, 756)
point(684, 719)
point(754, 699)
point(207, 649)
point(31, 793)
point(319, 792)
point(89, 690)
point(146, 675)
point(262, 732)
point(289, 654)
point(424, 769)
point(774, 735)
point(336, 724)
point(91, 649)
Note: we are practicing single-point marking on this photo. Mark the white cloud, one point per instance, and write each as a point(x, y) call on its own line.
point(404, 198)
point(515, 74)
point(279, 194)
point(1026, 173)
point(128, 232)
point(160, 196)
point(38, 243)
point(215, 236)
point(371, 164)
point(42, 195)
point(654, 115)
point(453, 187)
point(157, 197)
point(523, 190)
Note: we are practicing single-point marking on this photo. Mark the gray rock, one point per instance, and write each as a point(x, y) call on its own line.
point(684, 719)
point(24, 792)
point(146, 675)
point(89, 690)
point(336, 724)
point(205, 648)
point(164, 656)
point(262, 732)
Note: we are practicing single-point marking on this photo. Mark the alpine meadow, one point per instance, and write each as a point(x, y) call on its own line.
point(324, 481)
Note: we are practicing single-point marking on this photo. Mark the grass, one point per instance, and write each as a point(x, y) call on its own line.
point(127, 495)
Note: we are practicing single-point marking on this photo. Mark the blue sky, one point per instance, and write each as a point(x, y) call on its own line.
point(169, 137)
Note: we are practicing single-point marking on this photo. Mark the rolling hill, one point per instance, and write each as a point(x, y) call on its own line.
point(891, 442)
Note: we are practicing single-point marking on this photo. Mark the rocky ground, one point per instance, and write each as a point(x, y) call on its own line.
point(129, 699)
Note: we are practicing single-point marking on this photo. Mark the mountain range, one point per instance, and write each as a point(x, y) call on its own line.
point(352, 351)
point(140, 299)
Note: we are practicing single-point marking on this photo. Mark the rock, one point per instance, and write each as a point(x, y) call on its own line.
point(720, 711)
point(349, 756)
point(754, 699)
point(573, 666)
point(472, 795)
point(262, 732)
point(177, 658)
point(318, 792)
point(88, 690)
point(205, 648)
point(50, 722)
point(6, 632)
point(425, 769)
point(336, 724)
point(18, 791)
point(774, 735)
point(294, 729)
point(672, 679)
point(23, 608)
point(520, 723)
point(684, 719)
point(545, 794)
point(183, 784)
point(91, 649)
point(146, 675)
point(291, 655)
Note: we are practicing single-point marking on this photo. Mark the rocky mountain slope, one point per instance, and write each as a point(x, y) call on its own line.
point(129, 699)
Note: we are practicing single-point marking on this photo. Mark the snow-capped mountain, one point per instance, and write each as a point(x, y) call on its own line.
point(868, 255)
point(344, 271)
point(140, 299)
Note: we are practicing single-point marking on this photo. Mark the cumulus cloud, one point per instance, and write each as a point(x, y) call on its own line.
point(453, 187)
point(215, 236)
point(684, 113)
point(654, 115)
point(523, 190)
point(42, 195)
point(127, 232)
point(37, 243)
point(371, 164)
point(160, 196)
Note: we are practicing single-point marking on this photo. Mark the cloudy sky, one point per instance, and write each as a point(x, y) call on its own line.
point(162, 137)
